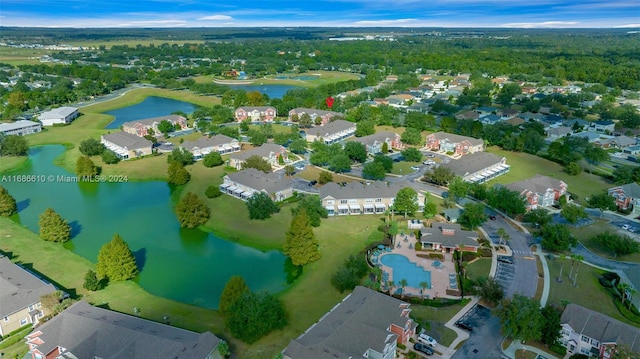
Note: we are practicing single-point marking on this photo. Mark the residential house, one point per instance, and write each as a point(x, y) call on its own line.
point(126, 145)
point(591, 136)
point(577, 124)
point(205, 145)
point(84, 331)
point(269, 151)
point(61, 115)
point(243, 184)
point(20, 293)
point(366, 324)
point(323, 115)
point(381, 101)
point(448, 238)
point(532, 116)
point(490, 119)
point(602, 126)
point(467, 115)
point(627, 196)
point(615, 142)
point(452, 143)
point(557, 133)
point(507, 113)
point(357, 198)
point(421, 107)
point(585, 331)
point(515, 121)
point(486, 110)
point(478, 167)
point(256, 113)
point(20, 128)
point(374, 142)
point(539, 191)
point(332, 132)
point(632, 150)
point(142, 128)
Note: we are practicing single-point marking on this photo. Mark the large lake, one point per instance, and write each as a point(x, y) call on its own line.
point(151, 107)
point(189, 266)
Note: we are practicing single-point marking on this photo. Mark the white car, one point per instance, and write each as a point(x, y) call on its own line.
point(415, 168)
point(429, 162)
point(425, 339)
point(626, 226)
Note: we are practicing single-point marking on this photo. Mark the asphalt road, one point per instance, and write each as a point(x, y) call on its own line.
point(484, 341)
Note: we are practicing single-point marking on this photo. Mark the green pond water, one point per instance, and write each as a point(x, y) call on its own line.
point(189, 266)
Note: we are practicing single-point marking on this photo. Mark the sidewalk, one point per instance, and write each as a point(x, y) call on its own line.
point(510, 352)
point(546, 279)
point(462, 335)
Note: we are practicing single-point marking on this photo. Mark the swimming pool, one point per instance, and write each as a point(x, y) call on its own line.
point(403, 269)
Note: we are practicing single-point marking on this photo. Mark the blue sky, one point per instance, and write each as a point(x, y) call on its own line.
point(365, 13)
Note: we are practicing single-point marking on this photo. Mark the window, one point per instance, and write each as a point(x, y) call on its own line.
point(368, 200)
point(595, 343)
point(6, 319)
point(330, 203)
point(24, 321)
point(353, 201)
point(585, 339)
point(343, 201)
point(566, 332)
point(31, 307)
point(378, 200)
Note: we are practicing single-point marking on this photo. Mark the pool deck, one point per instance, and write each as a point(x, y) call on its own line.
point(439, 277)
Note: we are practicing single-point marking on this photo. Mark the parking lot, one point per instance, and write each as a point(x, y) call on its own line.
point(504, 273)
point(484, 341)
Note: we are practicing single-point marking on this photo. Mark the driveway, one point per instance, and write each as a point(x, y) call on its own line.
point(484, 341)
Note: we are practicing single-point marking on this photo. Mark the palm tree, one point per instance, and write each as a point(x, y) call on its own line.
point(504, 236)
point(403, 283)
point(561, 257)
point(624, 287)
point(424, 286)
point(579, 260)
point(631, 293)
point(390, 284)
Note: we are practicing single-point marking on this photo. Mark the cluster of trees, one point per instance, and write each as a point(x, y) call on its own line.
point(618, 244)
point(8, 205)
point(261, 206)
point(249, 315)
point(378, 168)
point(300, 243)
point(557, 237)
point(92, 147)
point(331, 156)
point(350, 273)
point(522, 318)
point(258, 163)
point(177, 173)
point(13, 145)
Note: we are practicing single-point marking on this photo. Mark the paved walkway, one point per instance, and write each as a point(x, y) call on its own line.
point(510, 352)
point(546, 279)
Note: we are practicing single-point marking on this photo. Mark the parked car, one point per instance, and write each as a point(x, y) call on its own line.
point(422, 348)
point(431, 155)
point(300, 167)
point(429, 162)
point(425, 339)
point(313, 183)
point(492, 217)
point(464, 326)
point(626, 226)
point(415, 168)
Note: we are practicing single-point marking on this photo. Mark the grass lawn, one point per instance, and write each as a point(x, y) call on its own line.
point(131, 43)
point(524, 165)
point(479, 268)
point(20, 56)
point(589, 293)
point(403, 167)
point(312, 173)
point(11, 162)
point(437, 317)
point(322, 78)
point(277, 128)
point(586, 236)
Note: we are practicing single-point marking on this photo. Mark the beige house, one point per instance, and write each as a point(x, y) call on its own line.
point(243, 184)
point(269, 151)
point(478, 167)
point(126, 145)
point(448, 237)
point(59, 116)
point(332, 132)
point(142, 127)
point(20, 293)
point(205, 145)
point(357, 198)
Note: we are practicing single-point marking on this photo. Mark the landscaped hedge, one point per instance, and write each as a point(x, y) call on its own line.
point(558, 349)
point(15, 337)
point(632, 314)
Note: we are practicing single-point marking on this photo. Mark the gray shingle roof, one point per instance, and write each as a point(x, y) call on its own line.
point(205, 142)
point(150, 121)
point(601, 327)
point(56, 113)
point(352, 327)
point(258, 180)
point(459, 236)
point(124, 139)
point(472, 163)
point(536, 184)
point(10, 126)
point(312, 111)
point(355, 190)
point(89, 332)
point(263, 151)
point(330, 128)
point(378, 136)
point(259, 108)
point(19, 288)
point(631, 190)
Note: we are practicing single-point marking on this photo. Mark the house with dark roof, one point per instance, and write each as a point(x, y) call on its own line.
point(126, 145)
point(602, 126)
point(467, 115)
point(591, 136)
point(20, 128)
point(323, 116)
point(627, 196)
point(357, 198)
point(374, 142)
point(256, 113)
point(366, 324)
point(585, 331)
point(539, 191)
point(84, 331)
point(20, 292)
point(204, 145)
point(330, 133)
point(58, 116)
point(452, 143)
point(490, 119)
point(271, 152)
point(448, 238)
point(478, 167)
point(557, 133)
point(243, 184)
point(150, 125)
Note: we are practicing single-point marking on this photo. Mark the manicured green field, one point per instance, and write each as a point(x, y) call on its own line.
point(322, 78)
point(586, 236)
point(131, 43)
point(524, 165)
point(403, 168)
point(18, 56)
point(479, 268)
point(436, 318)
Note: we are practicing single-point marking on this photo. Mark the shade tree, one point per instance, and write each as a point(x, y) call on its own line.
point(53, 227)
point(116, 261)
point(301, 244)
point(192, 211)
point(8, 205)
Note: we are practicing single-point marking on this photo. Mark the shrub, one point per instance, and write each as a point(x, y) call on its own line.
point(558, 349)
point(212, 159)
point(212, 191)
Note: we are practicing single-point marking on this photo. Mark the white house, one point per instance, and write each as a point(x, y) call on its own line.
point(60, 115)
point(20, 128)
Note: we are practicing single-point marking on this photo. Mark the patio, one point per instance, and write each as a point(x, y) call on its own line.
point(442, 271)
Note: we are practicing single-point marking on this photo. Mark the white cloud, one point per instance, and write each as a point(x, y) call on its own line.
point(390, 22)
point(625, 26)
point(160, 23)
point(216, 18)
point(543, 24)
